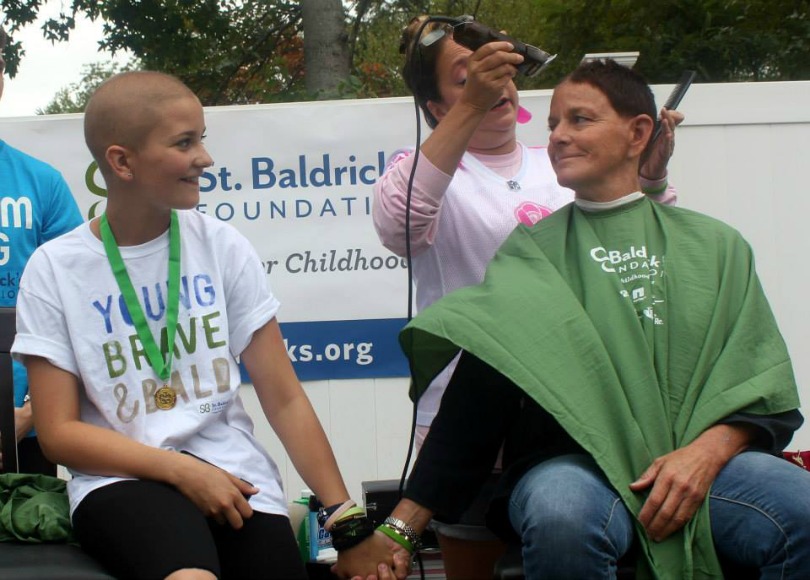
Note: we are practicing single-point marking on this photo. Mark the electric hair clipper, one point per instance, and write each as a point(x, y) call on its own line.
point(474, 35)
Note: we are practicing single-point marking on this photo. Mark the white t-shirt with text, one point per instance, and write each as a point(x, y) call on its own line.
point(70, 311)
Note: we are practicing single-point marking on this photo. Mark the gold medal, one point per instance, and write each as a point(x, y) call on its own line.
point(165, 398)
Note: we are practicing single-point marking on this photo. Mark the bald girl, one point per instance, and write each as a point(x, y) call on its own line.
point(126, 107)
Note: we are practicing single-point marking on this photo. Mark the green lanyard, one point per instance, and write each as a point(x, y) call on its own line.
point(165, 397)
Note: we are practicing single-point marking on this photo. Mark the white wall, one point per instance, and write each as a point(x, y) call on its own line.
point(742, 156)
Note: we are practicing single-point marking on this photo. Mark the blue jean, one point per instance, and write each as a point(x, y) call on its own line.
point(574, 525)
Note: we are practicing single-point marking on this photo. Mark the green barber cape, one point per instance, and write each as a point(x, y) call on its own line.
point(34, 508)
point(637, 329)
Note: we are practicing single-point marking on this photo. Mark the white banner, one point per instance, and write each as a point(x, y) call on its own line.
point(297, 180)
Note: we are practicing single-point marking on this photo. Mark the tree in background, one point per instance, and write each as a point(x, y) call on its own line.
point(378, 61)
point(73, 98)
point(326, 47)
point(258, 51)
point(724, 40)
point(226, 51)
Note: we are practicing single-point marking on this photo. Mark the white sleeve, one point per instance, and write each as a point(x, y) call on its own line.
point(249, 302)
point(41, 323)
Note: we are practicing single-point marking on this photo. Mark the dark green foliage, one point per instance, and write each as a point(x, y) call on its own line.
point(249, 51)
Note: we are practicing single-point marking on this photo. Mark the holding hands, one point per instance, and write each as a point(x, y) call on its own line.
point(376, 558)
point(386, 553)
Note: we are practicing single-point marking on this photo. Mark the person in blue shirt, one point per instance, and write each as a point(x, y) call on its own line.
point(35, 206)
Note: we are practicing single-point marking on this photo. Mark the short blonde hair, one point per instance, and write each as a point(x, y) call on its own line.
point(125, 108)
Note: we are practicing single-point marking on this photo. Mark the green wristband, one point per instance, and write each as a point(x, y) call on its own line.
point(656, 190)
point(350, 513)
point(396, 536)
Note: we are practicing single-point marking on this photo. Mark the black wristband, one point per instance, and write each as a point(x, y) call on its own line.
point(349, 532)
point(325, 512)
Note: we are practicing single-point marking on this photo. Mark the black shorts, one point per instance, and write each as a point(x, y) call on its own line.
point(147, 530)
